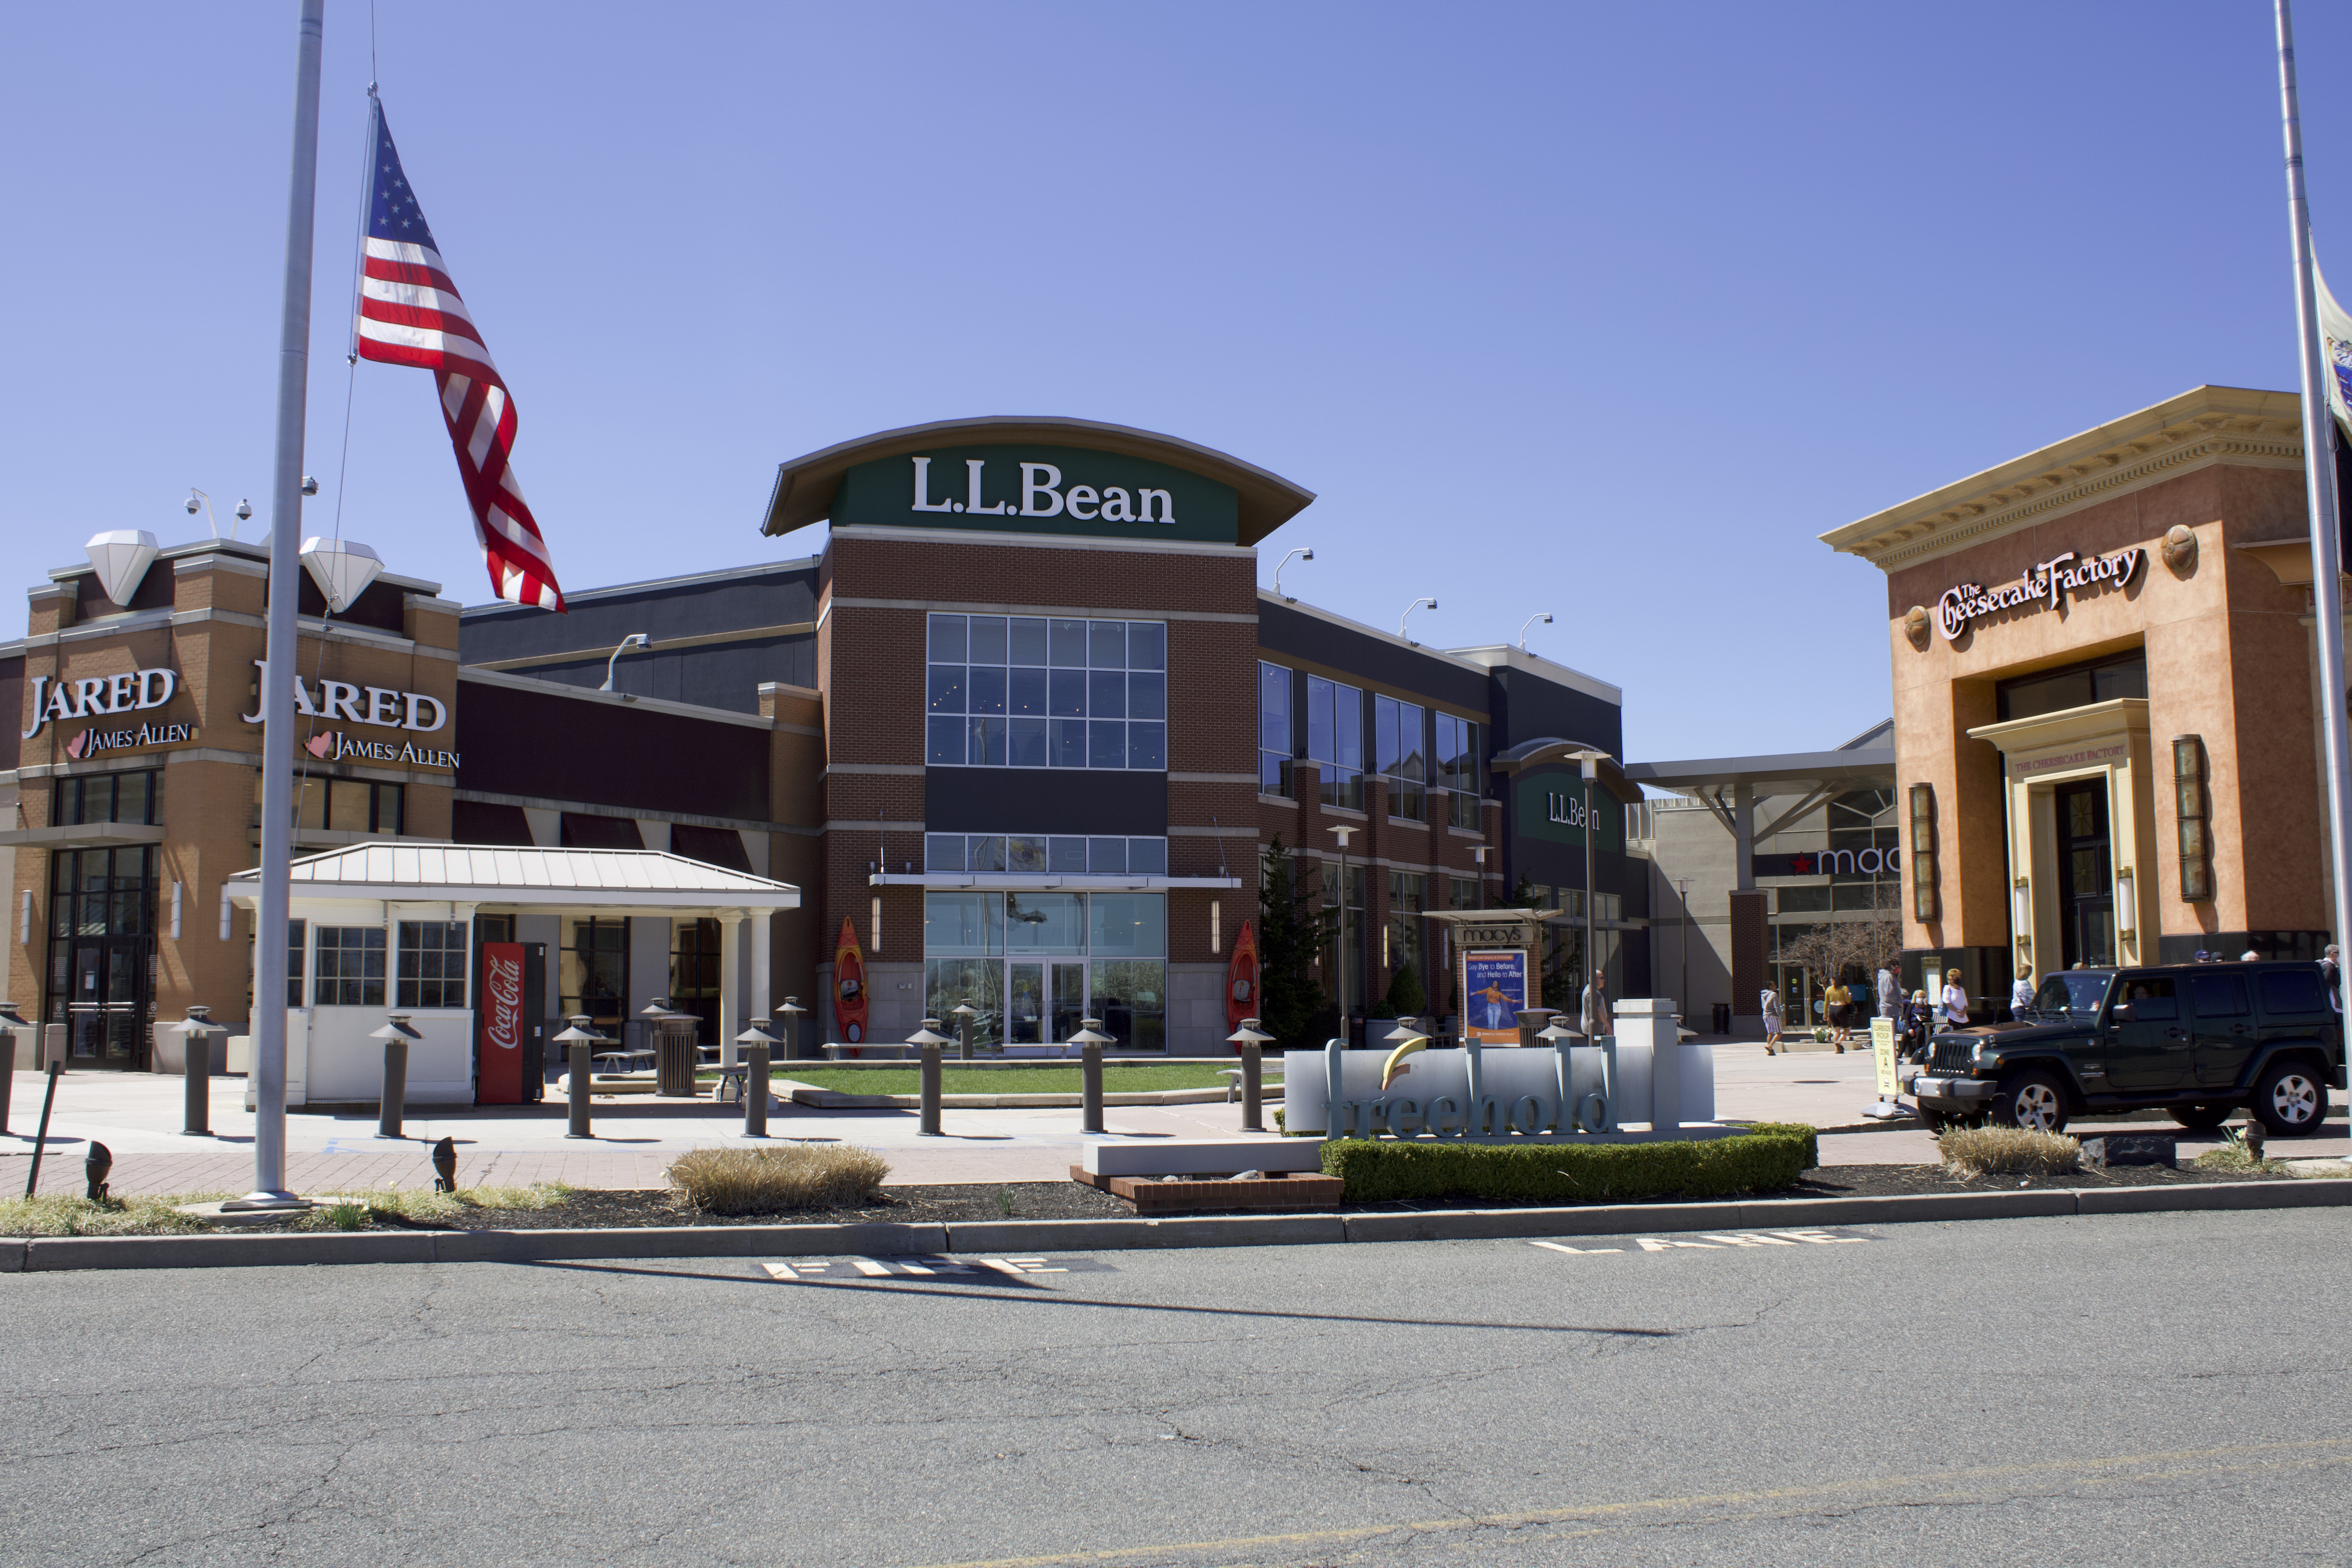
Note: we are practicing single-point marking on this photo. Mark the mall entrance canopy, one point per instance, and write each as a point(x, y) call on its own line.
point(1729, 787)
point(364, 893)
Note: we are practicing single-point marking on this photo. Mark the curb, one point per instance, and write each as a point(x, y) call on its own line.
point(43, 1254)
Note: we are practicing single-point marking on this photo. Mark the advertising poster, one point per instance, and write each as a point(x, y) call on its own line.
point(1493, 989)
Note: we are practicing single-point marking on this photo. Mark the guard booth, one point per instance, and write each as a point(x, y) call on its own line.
point(437, 933)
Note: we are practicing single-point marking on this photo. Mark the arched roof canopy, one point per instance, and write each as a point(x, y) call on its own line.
point(1551, 750)
point(806, 488)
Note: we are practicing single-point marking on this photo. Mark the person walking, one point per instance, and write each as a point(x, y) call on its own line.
point(1956, 1001)
point(1771, 1022)
point(1840, 1007)
point(1596, 1021)
point(1890, 994)
point(1919, 1024)
point(2021, 993)
point(2331, 974)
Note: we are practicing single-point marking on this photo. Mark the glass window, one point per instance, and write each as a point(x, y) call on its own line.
point(1107, 645)
point(987, 852)
point(1028, 639)
point(350, 968)
point(1066, 745)
point(1025, 693)
point(965, 925)
point(1130, 997)
point(1335, 738)
point(1399, 749)
point(1408, 896)
point(1067, 856)
point(2293, 991)
point(1128, 925)
point(1462, 893)
point(1147, 645)
point(593, 977)
point(1105, 744)
point(295, 943)
point(947, 683)
point(1147, 695)
point(1147, 746)
point(945, 745)
point(1147, 856)
point(988, 639)
point(432, 963)
point(986, 693)
point(1069, 643)
point(1106, 856)
point(1273, 729)
point(1025, 745)
point(943, 852)
point(2214, 995)
point(1107, 695)
point(2151, 998)
point(986, 745)
point(947, 639)
point(949, 983)
point(1025, 854)
point(1044, 922)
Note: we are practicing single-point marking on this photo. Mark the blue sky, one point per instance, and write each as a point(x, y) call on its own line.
point(1606, 311)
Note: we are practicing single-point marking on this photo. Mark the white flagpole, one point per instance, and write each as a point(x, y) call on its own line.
point(270, 926)
point(2320, 472)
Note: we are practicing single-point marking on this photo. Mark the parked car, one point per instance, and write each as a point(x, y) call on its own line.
point(2200, 1040)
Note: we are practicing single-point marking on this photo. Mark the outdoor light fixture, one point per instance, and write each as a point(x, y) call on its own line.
point(877, 925)
point(1543, 616)
point(2020, 905)
point(1409, 609)
point(1923, 853)
point(341, 567)
point(24, 918)
point(228, 912)
point(120, 558)
point(1216, 908)
point(1294, 555)
point(1341, 946)
point(94, 1167)
point(2125, 911)
point(634, 639)
point(791, 1010)
point(2193, 817)
point(445, 1165)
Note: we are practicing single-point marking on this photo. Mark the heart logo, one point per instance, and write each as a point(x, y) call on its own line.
point(319, 745)
point(74, 746)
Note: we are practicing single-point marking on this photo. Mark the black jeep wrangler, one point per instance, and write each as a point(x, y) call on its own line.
point(2198, 1039)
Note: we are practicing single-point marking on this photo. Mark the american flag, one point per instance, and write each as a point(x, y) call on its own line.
point(409, 313)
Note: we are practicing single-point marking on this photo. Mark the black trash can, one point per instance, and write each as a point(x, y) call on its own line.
point(674, 1055)
point(1723, 1018)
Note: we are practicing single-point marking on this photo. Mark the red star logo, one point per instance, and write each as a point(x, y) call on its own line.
point(1802, 865)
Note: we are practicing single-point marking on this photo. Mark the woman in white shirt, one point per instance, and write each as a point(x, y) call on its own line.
point(2020, 994)
point(1771, 1022)
point(1955, 1000)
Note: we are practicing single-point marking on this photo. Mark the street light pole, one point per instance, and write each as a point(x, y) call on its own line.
point(1346, 1037)
point(1683, 888)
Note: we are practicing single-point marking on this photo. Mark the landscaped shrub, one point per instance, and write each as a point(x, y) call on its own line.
point(2009, 1151)
point(771, 1181)
point(1767, 1159)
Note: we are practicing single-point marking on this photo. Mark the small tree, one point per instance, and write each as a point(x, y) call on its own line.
point(1289, 936)
point(1405, 994)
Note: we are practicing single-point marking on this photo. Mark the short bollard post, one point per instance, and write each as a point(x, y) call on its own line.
point(791, 1012)
point(963, 1013)
point(1251, 1040)
point(396, 1035)
point(928, 1040)
point(11, 1025)
point(57, 1044)
point(579, 1040)
point(196, 1065)
point(755, 1041)
point(1090, 1040)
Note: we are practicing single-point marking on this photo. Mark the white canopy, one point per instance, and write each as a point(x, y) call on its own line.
point(601, 880)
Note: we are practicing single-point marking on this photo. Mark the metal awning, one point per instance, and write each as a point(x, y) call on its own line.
point(599, 880)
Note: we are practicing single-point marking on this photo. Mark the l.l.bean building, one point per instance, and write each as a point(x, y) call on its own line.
point(2108, 697)
point(1017, 735)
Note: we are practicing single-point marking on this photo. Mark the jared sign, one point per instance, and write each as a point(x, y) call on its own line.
point(98, 696)
point(352, 704)
point(2045, 583)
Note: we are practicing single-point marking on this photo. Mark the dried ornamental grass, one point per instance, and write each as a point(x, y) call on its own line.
point(770, 1181)
point(2009, 1151)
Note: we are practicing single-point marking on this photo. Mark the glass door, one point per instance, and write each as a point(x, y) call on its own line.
point(1069, 997)
point(2086, 901)
point(1024, 1004)
point(104, 1010)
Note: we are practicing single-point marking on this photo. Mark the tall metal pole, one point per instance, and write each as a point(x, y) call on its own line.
point(268, 1024)
point(1592, 843)
point(2319, 474)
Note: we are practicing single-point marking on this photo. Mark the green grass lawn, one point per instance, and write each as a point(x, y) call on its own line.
point(1117, 1079)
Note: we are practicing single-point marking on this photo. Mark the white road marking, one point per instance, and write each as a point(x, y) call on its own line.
point(1578, 1251)
point(1711, 1241)
point(870, 1268)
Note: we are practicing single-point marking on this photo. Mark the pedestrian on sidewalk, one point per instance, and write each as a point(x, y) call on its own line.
point(1956, 1001)
point(1919, 1024)
point(2331, 974)
point(1596, 1021)
point(1841, 1008)
point(2020, 993)
point(1890, 994)
point(1771, 1022)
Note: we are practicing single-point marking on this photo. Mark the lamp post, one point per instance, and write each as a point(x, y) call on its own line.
point(1252, 1040)
point(1681, 890)
point(634, 639)
point(1543, 616)
point(1347, 1035)
point(1590, 765)
point(579, 1041)
point(1409, 609)
point(963, 1013)
point(392, 1098)
point(791, 1012)
point(755, 1042)
point(1294, 555)
point(196, 1064)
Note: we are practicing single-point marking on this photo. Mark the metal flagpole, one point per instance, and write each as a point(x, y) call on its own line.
point(269, 928)
point(2320, 474)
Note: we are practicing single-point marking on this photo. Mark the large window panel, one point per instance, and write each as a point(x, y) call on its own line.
point(1128, 925)
point(350, 968)
point(1335, 738)
point(963, 925)
point(1046, 693)
point(432, 963)
point(1044, 922)
point(1274, 742)
point(1130, 997)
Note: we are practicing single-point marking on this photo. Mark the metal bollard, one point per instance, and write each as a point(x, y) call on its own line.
point(1252, 1088)
point(57, 1044)
point(9, 1024)
point(581, 1040)
point(929, 1127)
point(755, 1091)
point(1090, 1040)
point(963, 1013)
point(196, 1074)
point(393, 1103)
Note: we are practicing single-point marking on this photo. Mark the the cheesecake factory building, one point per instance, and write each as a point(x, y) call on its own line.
point(2108, 698)
point(1017, 735)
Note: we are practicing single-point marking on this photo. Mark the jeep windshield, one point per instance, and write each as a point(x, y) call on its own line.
point(2070, 994)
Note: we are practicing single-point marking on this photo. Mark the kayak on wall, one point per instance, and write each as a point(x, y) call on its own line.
point(849, 985)
point(1241, 979)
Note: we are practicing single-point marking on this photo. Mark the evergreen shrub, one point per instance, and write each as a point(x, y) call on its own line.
point(1769, 1157)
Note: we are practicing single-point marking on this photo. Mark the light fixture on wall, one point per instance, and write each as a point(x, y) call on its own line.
point(1216, 910)
point(1923, 853)
point(876, 943)
point(1409, 609)
point(2021, 905)
point(2193, 815)
point(1294, 555)
point(634, 639)
point(2127, 910)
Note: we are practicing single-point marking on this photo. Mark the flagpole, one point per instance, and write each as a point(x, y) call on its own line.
point(2320, 474)
point(270, 919)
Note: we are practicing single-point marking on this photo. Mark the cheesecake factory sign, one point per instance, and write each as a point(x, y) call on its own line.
point(2042, 586)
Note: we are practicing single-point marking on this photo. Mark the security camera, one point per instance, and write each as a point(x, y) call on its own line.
point(310, 486)
point(244, 510)
point(192, 505)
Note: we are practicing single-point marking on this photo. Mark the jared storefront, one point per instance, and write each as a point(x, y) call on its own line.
point(2106, 698)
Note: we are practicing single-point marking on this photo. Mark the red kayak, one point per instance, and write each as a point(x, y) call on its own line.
point(849, 986)
point(1241, 979)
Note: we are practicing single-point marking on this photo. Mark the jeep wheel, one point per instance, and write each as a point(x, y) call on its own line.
point(2200, 1118)
point(2032, 1100)
point(2291, 1100)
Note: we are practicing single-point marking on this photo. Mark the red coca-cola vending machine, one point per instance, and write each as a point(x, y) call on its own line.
point(509, 1023)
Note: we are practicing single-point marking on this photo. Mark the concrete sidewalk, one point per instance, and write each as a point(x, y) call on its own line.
point(137, 1116)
